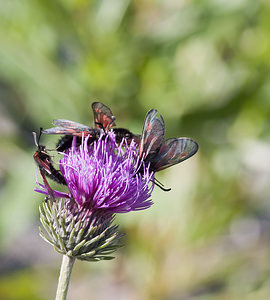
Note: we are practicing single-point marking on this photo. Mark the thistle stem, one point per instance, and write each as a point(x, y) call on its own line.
point(64, 277)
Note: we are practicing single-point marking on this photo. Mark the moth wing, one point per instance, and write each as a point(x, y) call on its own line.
point(174, 151)
point(152, 134)
point(103, 116)
point(42, 163)
point(62, 130)
point(70, 125)
point(68, 128)
point(70, 131)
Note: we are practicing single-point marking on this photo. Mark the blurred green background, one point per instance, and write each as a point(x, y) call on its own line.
point(205, 66)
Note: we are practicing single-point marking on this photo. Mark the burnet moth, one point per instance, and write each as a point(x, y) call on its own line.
point(159, 153)
point(103, 121)
point(45, 164)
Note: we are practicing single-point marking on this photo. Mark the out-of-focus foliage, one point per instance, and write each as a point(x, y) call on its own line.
point(205, 66)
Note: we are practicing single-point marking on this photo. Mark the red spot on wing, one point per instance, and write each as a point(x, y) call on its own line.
point(149, 127)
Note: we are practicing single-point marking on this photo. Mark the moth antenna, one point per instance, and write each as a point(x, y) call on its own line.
point(40, 132)
point(158, 182)
point(113, 119)
point(35, 138)
point(160, 185)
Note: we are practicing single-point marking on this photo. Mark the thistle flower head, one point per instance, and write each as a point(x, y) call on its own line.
point(102, 179)
point(103, 176)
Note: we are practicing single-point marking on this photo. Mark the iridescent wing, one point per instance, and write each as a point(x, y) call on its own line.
point(152, 134)
point(103, 117)
point(173, 151)
point(69, 128)
point(70, 124)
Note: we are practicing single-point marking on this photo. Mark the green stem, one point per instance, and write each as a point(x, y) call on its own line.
point(64, 277)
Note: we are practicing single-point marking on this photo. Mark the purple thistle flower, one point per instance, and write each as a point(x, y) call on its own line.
point(102, 177)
